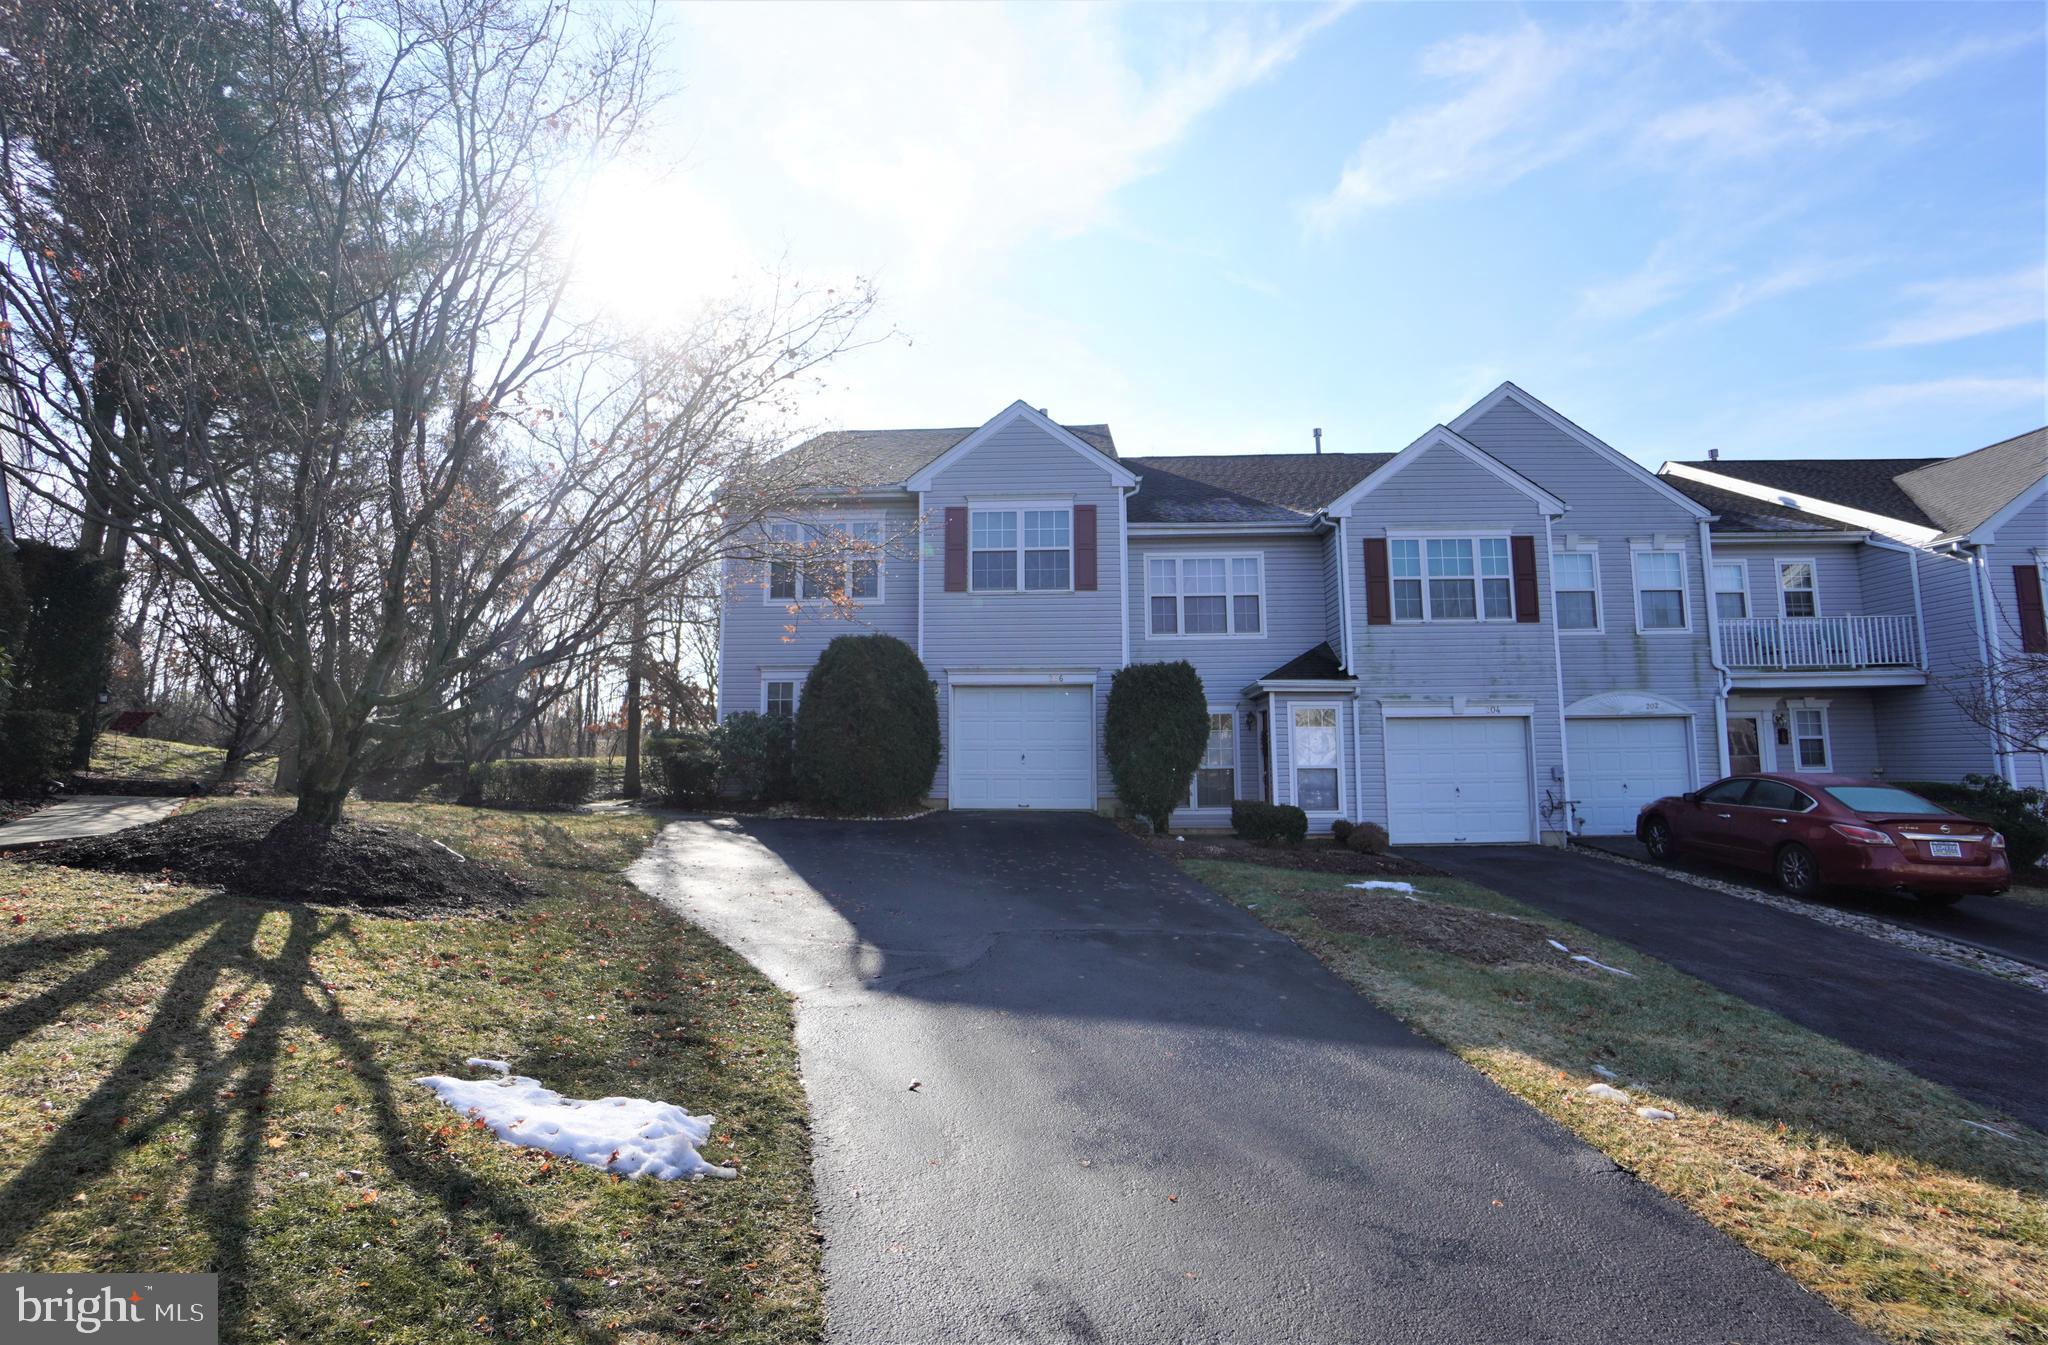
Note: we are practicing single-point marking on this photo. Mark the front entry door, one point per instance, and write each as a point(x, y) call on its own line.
point(1745, 744)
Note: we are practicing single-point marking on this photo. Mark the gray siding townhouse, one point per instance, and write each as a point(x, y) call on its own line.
point(1507, 631)
point(1850, 593)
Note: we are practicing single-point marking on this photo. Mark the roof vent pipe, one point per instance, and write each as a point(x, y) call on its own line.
point(1319, 440)
point(1713, 455)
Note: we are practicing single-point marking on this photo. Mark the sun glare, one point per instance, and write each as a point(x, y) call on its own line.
point(650, 250)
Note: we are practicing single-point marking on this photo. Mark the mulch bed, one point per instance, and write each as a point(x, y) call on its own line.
point(13, 810)
point(1487, 938)
point(1314, 856)
point(260, 852)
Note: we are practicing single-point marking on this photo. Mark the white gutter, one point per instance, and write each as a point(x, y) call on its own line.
point(1123, 523)
point(1724, 679)
point(1344, 591)
point(1231, 529)
point(1564, 754)
point(1986, 604)
point(920, 576)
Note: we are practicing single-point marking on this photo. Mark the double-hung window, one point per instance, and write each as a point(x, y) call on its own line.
point(1215, 782)
point(825, 560)
point(1205, 595)
point(779, 696)
point(1314, 745)
point(1796, 588)
point(1731, 589)
point(1576, 575)
point(1451, 579)
point(1024, 548)
point(1660, 590)
point(1810, 739)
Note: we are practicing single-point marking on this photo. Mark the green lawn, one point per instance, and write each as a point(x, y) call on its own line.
point(193, 1082)
point(1874, 1188)
point(154, 759)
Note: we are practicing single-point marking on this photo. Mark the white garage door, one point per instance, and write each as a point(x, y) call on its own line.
point(1458, 779)
point(1618, 765)
point(1023, 747)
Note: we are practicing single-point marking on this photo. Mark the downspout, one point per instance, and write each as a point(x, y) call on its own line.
point(1564, 755)
point(1123, 526)
point(1723, 679)
point(1986, 604)
point(1344, 592)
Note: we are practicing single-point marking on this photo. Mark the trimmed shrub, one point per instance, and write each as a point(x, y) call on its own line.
point(1368, 838)
point(1269, 823)
point(403, 784)
point(66, 631)
point(35, 746)
point(539, 784)
point(690, 775)
point(1340, 831)
point(867, 727)
point(1154, 735)
point(2021, 815)
point(756, 757)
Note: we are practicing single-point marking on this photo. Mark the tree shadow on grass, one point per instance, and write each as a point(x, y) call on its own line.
point(175, 1074)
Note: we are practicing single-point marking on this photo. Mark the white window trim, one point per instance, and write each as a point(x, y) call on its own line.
point(1714, 590)
point(1422, 540)
point(1230, 595)
point(794, 676)
point(1236, 757)
point(837, 522)
point(1827, 740)
point(1635, 584)
point(1293, 781)
point(1599, 626)
point(1019, 507)
point(1813, 573)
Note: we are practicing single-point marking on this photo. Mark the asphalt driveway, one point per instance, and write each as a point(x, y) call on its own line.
point(1142, 1117)
point(1980, 1036)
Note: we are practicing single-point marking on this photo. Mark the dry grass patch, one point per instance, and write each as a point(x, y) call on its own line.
point(1869, 1185)
point(191, 1081)
point(129, 758)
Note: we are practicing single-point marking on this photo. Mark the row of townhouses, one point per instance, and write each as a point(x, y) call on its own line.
point(1507, 631)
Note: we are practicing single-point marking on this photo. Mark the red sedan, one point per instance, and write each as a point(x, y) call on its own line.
point(1812, 831)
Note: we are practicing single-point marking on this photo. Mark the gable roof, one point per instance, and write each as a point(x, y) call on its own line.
point(1962, 494)
point(1021, 410)
point(1311, 665)
point(891, 457)
point(1744, 513)
point(1245, 487)
point(1509, 392)
point(1440, 436)
point(1866, 484)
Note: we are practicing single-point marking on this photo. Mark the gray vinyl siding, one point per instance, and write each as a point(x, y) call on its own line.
point(1926, 735)
point(2015, 544)
point(1838, 575)
point(1333, 601)
point(1294, 622)
point(1351, 787)
point(1011, 631)
point(1444, 492)
point(1609, 504)
point(756, 633)
point(1852, 732)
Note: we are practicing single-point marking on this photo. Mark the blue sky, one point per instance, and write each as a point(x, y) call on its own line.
point(1769, 229)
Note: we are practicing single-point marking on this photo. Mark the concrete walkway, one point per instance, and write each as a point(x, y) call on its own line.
point(90, 815)
point(1140, 1116)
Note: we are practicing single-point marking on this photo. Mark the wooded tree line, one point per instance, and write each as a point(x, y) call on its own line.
point(292, 344)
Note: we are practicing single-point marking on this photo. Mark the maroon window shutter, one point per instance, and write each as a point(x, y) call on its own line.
point(956, 550)
point(1522, 552)
point(1084, 547)
point(2026, 583)
point(1379, 599)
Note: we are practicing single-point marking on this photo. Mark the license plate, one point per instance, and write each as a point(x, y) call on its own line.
point(1945, 849)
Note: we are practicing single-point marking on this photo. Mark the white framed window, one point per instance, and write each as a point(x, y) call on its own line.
point(1020, 548)
point(1731, 589)
point(1315, 751)
point(1451, 578)
point(1575, 577)
point(1205, 595)
point(780, 693)
point(1798, 589)
point(1809, 739)
point(1660, 590)
point(1215, 782)
point(819, 559)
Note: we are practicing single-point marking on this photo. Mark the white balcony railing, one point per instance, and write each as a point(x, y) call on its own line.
point(1821, 642)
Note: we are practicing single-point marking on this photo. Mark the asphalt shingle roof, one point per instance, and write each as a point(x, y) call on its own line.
point(1869, 484)
point(1311, 665)
point(891, 457)
point(1245, 487)
point(1963, 492)
point(1743, 513)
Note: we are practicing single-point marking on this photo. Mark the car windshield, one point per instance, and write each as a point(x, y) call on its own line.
point(1884, 799)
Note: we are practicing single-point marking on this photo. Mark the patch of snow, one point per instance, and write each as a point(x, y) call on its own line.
point(482, 1062)
point(1605, 1072)
point(1555, 944)
point(1993, 1129)
point(1606, 1092)
point(1380, 886)
point(1581, 957)
point(1655, 1114)
point(634, 1137)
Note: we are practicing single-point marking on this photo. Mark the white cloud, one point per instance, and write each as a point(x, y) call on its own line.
point(1785, 280)
point(1950, 310)
point(1664, 275)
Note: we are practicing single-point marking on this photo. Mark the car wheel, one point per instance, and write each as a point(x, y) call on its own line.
point(1657, 840)
point(1798, 871)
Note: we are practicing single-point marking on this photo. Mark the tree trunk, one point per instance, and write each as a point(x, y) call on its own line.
point(631, 787)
